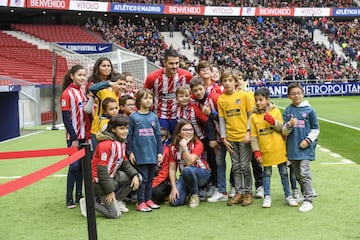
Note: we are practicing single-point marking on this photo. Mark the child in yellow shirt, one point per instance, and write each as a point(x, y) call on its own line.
point(268, 145)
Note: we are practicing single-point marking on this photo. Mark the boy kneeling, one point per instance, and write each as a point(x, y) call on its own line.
point(113, 175)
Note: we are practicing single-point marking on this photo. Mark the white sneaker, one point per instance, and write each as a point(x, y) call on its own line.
point(296, 195)
point(291, 201)
point(82, 203)
point(306, 207)
point(218, 197)
point(122, 206)
point(267, 202)
point(232, 192)
point(259, 192)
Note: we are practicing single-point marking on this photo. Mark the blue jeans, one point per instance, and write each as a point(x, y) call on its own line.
point(147, 171)
point(74, 175)
point(292, 177)
point(189, 182)
point(284, 179)
point(221, 167)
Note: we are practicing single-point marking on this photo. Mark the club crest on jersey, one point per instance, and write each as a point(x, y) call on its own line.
point(103, 156)
point(237, 101)
point(63, 102)
point(152, 123)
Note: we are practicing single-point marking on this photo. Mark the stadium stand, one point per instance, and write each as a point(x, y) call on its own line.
point(57, 33)
point(141, 36)
point(22, 60)
point(346, 34)
point(278, 47)
point(279, 50)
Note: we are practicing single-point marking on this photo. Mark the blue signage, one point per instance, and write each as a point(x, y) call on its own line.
point(88, 48)
point(137, 8)
point(331, 89)
point(345, 12)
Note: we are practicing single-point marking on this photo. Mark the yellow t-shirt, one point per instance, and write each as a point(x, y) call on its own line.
point(271, 143)
point(103, 122)
point(100, 96)
point(234, 109)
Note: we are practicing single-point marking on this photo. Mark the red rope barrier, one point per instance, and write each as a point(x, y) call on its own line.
point(31, 178)
point(37, 153)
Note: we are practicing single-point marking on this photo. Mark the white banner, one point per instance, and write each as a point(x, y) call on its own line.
point(90, 6)
point(316, 12)
point(222, 11)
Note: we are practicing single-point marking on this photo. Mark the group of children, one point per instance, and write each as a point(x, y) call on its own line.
point(133, 153)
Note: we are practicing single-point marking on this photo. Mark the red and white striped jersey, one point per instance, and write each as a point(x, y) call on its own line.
point(164, 89)
point(195, 116)
point(211, 102)
point(73, 99)
point(196, 148)
point(108, 153)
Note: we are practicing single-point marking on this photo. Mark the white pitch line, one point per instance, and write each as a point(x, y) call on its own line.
point(335, 155)
point(324, 150)
point(340, 124)
point(15, 177)
point(333, 122)
point(342, 162)
point(27, 135)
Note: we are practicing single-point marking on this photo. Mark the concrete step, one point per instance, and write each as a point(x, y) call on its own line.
point(176, 42)
point(41, 44)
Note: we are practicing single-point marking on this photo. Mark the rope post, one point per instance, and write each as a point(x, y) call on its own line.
point(89, 192)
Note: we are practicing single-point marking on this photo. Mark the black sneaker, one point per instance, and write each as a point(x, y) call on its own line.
point(70, 202)
point(78, 197)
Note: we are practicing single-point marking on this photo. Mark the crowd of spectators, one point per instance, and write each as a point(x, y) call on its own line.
point(140, 35)
point(273, 51)
point(346, 34)
point(252, 3)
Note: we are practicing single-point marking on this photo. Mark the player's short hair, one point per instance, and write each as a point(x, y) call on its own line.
point(116, 77)
point(124, 98)
point(196, 81)
point(234, 73)
point(106, 102)
point(170, 53)
point(265, 92)
point(203, 64)
point(183, 89)
point(294, 85)
point(117, 121)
